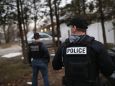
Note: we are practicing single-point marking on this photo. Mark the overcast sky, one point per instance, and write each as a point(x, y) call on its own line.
point(64, 2)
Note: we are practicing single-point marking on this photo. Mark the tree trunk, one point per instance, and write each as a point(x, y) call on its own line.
point(24, 31)
point(57, 23)
point(4, 27)
point(20, 29)
point(35, 24)
point(79, 8)
point(35, 17)
point(84, 7)
point(8, 33)
point(102, 22)
point(52, 23)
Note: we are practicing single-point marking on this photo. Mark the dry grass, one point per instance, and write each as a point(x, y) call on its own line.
point(11, 70)
point(14, 72)
point(7, 45)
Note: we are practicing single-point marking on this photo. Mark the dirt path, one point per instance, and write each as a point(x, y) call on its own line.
point(55, 78)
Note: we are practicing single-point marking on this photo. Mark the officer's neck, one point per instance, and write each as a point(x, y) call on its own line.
point(36, 40)
point(79, 33)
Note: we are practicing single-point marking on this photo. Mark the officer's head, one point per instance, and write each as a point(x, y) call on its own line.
point(78, 23)
point(36, 36)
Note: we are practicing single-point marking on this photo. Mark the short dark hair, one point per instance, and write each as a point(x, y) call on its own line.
point(79, 22)
point(36, 35)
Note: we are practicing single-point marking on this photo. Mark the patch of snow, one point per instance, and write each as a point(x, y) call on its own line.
point(64, 2)
point(22, 58)
point(10, 55)
point(29, 83)
point(52, 54)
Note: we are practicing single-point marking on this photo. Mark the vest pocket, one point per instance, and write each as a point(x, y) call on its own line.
point(78, 71)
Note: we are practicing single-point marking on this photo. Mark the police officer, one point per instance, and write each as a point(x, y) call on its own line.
point(40, 55)
point(83, 57)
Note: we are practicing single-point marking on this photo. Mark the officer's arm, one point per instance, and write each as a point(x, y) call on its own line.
point(105, 62)
point(57, 60)
point(29, 54)
point(45, 52)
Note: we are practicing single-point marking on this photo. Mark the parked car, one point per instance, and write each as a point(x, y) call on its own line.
point(44, 37)
point(111, 52)
point(113, 49)
point(104, 81)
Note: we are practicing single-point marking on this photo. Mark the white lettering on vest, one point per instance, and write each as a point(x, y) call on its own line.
point(76, 50)
point(34, 48)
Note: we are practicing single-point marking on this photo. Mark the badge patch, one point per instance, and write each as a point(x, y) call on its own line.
point(76, 50)
point(34, 48)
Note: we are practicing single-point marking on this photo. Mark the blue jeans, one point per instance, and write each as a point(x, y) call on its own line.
point(39, 65)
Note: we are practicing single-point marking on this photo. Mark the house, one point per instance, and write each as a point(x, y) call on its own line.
point(94, 30)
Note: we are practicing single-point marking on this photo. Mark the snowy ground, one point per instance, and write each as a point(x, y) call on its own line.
point(13, 51)
point(10, 55)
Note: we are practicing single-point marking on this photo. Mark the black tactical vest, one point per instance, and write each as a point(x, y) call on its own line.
point(35, 49)
point(79, 62)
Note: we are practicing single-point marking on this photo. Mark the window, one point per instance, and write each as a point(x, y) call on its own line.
point(44, 36)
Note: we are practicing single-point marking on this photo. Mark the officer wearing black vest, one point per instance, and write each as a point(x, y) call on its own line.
point(83, 57)
point(40, 55)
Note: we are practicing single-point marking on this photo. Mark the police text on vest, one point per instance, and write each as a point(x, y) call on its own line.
point(76, 50)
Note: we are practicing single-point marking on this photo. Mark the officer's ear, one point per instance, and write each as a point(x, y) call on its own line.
point(75, 28)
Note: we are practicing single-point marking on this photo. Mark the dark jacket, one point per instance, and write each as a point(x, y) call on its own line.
point(37, 50)
point(103, 61)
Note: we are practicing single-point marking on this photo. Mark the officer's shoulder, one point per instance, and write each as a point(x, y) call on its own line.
point(97, 43)
point(30, 43)
point(40, 43)
point(93, 41)
point(66, 42)
point(97, 46)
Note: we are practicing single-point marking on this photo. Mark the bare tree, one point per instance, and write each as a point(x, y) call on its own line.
point(102, 20)
point(7, 18)
point(24, 50)
point(84, 7)
point(51, 17)
point(56, 5)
